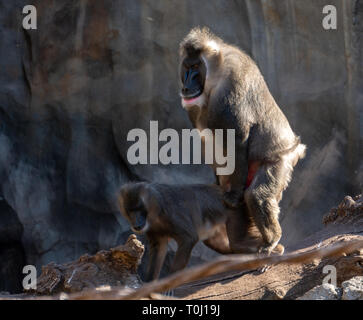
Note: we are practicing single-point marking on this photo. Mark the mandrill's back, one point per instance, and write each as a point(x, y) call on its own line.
point(193, 203)
point(268, 127)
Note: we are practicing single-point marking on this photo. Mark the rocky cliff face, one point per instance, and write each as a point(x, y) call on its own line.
point(71, 90)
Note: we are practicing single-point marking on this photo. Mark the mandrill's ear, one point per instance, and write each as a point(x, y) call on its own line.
point(213, 54)
point(212, 47)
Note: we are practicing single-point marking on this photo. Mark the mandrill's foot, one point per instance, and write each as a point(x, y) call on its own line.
point(275, 249)
point(263, 269)
point(169, 293)
point(265, 251)
point(232, 199)
point(278, 250)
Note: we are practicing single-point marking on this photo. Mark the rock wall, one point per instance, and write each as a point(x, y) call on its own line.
point(72, 89)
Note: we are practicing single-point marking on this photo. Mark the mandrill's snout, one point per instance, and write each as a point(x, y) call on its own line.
point(138, 228)
point(138, 222)
point(192, 84)
point(190, 93)
point(141, 228)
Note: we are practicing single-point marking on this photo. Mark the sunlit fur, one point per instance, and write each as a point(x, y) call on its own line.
point(236, 96)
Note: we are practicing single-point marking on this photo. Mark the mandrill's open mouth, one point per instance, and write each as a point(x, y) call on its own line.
point(191, 97)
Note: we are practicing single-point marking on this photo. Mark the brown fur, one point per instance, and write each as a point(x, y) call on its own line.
point(186, 213)
point(235, 96)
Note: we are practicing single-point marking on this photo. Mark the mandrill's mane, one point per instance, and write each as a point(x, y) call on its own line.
point(198, 39)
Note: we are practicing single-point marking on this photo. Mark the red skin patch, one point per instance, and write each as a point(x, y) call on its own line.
point(252, 169)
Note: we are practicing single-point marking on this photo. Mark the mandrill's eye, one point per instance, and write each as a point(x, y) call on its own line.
point(195, 66)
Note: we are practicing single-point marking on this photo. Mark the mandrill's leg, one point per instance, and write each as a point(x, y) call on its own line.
point(185, 247)
point(239, 227)
point(244, 237)
point(219, 242)
point(158, 249)
point(233, 185)
point(262, 198)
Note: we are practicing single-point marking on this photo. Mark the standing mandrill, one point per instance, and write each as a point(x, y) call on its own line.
point(222, 88)
point(186, 213)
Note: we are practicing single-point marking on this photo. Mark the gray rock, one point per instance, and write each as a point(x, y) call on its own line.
point(325, 291)
point(353, 289)
point(72, 89)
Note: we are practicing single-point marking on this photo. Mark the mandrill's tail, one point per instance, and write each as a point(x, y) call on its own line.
point(297, 148)
point(291, 158)
point(296, 152)
point(301, 150)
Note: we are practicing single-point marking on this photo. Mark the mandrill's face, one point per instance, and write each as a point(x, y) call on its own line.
point(133, 208)
point(137, 219)
point(192, 74)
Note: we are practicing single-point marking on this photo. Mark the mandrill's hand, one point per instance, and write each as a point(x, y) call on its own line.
point(278, 250)
point(232, 199)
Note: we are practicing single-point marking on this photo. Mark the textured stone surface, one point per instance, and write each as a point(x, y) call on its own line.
point(353, 289)
point(71, 90)
point(325, 291)
point(349, 210)
point(12, 255)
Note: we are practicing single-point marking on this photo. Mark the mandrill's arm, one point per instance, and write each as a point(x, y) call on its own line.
point(222, 115)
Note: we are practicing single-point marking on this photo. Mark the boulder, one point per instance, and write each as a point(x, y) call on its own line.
point(325, 291)
point(353, 289)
